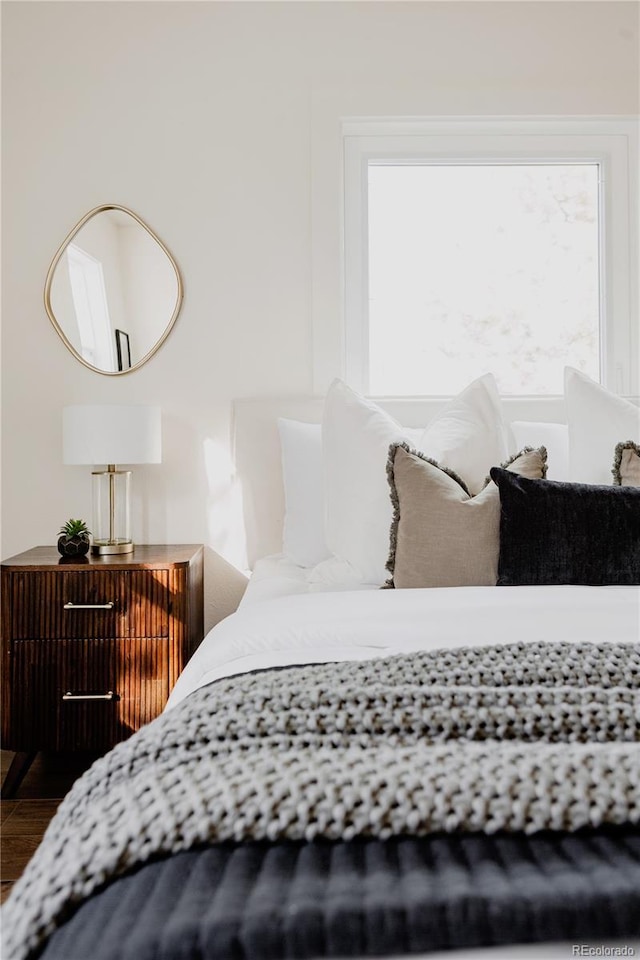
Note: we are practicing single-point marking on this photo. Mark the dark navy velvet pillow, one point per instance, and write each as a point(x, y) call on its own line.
point(554, 532)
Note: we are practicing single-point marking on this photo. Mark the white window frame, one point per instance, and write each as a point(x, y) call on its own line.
point(611, 143)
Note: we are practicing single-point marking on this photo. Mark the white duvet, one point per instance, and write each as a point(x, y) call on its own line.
point(357, 625)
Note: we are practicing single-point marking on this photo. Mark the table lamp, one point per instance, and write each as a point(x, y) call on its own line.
point(111, 435)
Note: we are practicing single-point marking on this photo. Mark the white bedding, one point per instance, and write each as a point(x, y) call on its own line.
point(285, 619)
point(320, 627)
point(278, 576)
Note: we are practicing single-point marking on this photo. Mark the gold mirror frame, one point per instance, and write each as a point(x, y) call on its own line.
point(51, 272)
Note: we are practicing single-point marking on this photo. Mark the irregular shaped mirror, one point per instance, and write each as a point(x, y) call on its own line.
point(113, 291)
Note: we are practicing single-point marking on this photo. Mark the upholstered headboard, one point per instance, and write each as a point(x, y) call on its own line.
point(258, 460)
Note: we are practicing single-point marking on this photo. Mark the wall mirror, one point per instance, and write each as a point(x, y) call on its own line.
point(113, 291)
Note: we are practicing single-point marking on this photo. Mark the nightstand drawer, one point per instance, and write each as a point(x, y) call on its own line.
point(84, 694)
point(93, 603)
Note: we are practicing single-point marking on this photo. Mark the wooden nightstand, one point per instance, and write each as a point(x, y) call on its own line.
point(91, 648)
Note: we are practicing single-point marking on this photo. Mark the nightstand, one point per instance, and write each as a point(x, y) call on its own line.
point(91, 648)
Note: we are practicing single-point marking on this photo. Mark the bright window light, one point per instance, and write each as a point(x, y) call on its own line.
point(89, 294)
point(482, 266)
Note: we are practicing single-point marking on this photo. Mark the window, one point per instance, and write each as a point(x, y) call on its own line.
point(482, 267)
point(489, 246)
point(91, 309)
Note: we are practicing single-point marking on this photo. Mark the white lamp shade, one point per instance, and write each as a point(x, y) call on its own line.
point(111, 434)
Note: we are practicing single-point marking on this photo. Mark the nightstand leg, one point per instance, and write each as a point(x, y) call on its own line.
point(16, 773)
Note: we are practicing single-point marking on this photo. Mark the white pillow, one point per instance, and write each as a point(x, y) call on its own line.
point(598, 420)
point(303, 539)
point(553, 436)
point(356, 435)
point(468, 436)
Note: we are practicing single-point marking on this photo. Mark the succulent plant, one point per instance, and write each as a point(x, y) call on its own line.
point(73, 528)
point(73, 539)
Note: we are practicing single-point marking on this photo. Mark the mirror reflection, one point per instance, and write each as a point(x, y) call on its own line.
point(113, 291)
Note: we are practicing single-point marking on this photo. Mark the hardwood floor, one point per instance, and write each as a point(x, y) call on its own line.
point(25, 818)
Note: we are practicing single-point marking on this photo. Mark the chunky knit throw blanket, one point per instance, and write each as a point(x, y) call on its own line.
point(511, 737)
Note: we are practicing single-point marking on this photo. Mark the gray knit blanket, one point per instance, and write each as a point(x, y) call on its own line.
point(513, 737)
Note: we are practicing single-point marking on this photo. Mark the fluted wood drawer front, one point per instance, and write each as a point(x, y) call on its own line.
point(92, 603)
point(85, 694)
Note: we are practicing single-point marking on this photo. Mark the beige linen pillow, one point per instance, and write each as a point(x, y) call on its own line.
point(441, 536)
point(626, 464)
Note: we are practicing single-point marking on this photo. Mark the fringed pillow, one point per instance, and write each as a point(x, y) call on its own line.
point(626, 464)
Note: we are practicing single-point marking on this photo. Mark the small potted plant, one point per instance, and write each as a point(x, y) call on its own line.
point(74, 539)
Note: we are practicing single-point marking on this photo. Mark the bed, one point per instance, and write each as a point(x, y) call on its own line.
point(349, 771)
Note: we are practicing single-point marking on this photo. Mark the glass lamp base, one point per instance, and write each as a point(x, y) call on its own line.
point(102, 548)
point(111, 512)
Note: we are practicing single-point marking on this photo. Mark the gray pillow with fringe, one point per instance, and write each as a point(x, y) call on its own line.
point(626, 464)
point(441, 536)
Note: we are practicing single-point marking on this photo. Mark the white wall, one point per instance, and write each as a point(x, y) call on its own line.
point(218, 123)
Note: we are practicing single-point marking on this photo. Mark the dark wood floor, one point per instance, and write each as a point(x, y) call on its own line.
point(25, 818)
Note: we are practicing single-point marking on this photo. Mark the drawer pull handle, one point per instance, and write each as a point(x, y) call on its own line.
point(89, 696)
point(90, 606)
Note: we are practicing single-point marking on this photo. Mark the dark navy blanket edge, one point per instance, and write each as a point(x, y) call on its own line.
point(363, 898)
